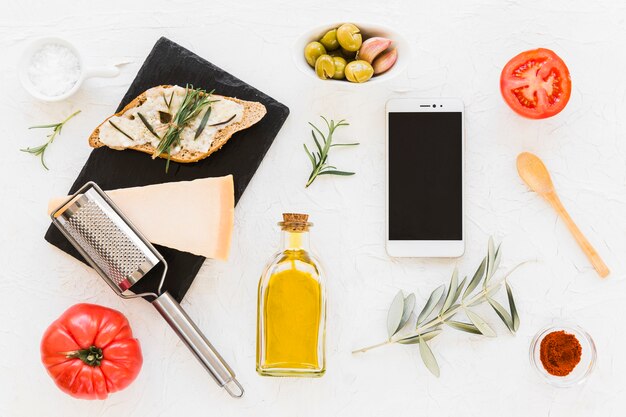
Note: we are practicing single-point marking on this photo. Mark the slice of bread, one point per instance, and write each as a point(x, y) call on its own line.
point(252, 113)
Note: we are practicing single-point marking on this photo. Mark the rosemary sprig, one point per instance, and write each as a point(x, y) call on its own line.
point(193, 103)
point(203, 123)
point(225, 121)
point(444, 304)
point(168, 103)
point(205, 119)
point(147, 125)
point(320, 157)
point(56, 130)
point(119, 129)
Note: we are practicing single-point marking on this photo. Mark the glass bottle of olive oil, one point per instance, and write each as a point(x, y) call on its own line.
point(291, 314)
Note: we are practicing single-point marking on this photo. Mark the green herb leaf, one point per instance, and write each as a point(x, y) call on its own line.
point(317, 143)
point(491, 254)
point(51, 125)
point(451, 291)
point(168, 103)
point(480, 323)
point(225, 121)
point(409, 305)
point(476, 279)
point(345, 144)
point(121, 131)
point(311, 157)
point(145, 123)
point(421, 337)
point(502, 313)
point(464, 327)
point(459, 290)
point(428, 358)
point(203, 123)
point(394, 315)
point(496, 260)
point(433, 300)
point(514, 315)
point(335, 172)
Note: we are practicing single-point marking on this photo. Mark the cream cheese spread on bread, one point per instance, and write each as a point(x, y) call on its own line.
point(155, 110)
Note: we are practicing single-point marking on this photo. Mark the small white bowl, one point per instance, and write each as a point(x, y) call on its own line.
point(368, 31)
point(85, 72)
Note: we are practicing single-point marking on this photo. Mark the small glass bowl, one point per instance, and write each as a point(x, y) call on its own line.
point(587, 361)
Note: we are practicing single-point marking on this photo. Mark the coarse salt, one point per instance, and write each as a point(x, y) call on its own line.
point(54, 69)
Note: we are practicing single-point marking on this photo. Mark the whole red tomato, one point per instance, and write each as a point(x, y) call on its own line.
point(90, 352)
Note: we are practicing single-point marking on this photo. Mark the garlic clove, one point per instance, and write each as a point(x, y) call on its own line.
point(372, 47)
point(385, 61)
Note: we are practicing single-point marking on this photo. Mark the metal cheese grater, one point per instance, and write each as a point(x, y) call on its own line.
point(122, 256)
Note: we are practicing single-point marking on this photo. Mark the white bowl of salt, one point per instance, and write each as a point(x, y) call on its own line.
point(52, 69)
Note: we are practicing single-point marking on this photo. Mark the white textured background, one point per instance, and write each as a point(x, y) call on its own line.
point(459, 48)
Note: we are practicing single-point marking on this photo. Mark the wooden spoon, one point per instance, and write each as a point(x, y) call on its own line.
point(535, 174)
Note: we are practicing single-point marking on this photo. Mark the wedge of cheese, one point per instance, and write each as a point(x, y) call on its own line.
point(190, 216)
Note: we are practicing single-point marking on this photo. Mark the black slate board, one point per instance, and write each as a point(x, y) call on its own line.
point(170, 63)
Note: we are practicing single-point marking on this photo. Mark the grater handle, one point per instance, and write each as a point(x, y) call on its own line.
point(202, 349)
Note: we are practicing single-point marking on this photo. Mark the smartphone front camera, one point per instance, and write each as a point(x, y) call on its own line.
point(434, 105)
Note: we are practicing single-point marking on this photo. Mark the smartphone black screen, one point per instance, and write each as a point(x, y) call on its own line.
point(425, 176)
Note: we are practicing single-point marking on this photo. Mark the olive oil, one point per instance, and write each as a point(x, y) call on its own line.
point(291, 315)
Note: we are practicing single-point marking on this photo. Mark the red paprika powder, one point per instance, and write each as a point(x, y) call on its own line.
point(560, 352)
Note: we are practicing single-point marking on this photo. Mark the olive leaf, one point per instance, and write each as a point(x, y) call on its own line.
point(464, 327)
point(497, 258)
point(409, 305)
point(459, 290)
point(480, 323)
point(433, 300)
point(502, 313)
point(491, 255)
point(395, 314)
point(476, 279)
point(428, 358)
point(514, 315)
point(452, 289)
point(425, 337)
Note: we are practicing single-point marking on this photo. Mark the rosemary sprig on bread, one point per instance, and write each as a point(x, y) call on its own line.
point(178, 124)
point(194, 102)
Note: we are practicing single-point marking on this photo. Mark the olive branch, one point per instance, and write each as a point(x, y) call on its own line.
point(445, 303)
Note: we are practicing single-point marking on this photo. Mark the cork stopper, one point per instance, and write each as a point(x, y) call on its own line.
point(295, 222)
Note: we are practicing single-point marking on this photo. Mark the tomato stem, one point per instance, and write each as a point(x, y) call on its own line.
point(92, 356)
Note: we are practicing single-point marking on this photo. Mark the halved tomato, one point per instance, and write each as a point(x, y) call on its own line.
point(536, 84)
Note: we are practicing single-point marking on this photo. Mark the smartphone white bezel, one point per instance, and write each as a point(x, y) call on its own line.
point(424, 248)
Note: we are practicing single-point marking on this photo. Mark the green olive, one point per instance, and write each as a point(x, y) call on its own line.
point(359, 71)
point(312, 51)
point(340, 65)
point(349, 37)
point(325, 67)
point(329, 40)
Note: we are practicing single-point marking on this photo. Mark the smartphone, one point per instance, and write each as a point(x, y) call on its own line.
point(425, 161)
